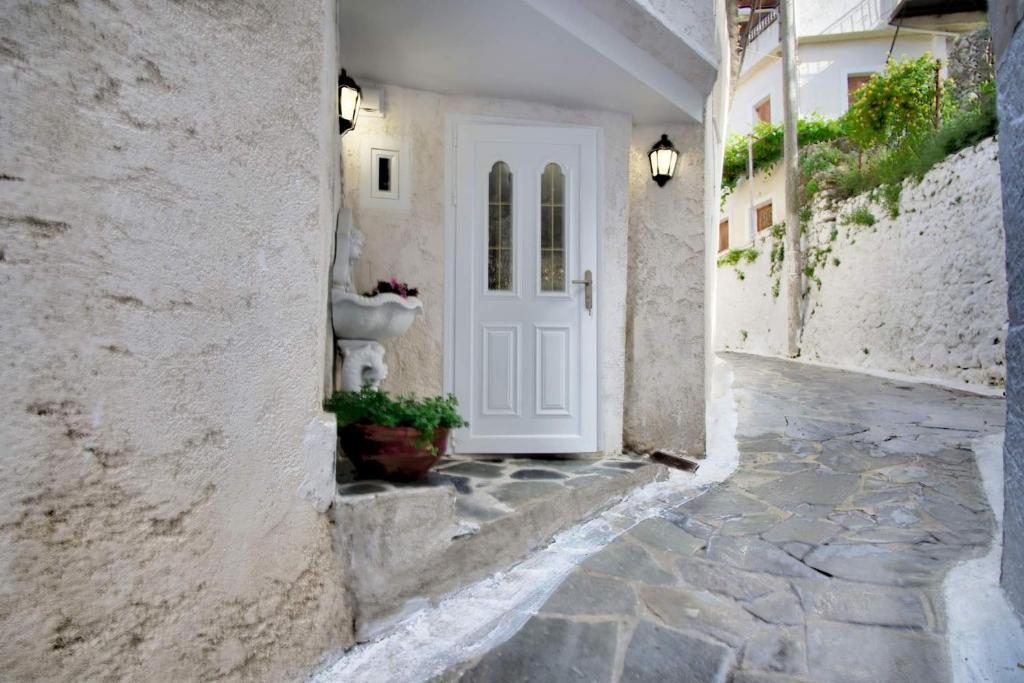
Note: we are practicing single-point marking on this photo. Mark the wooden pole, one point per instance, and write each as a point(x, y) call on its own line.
point(938, 94)
point(790, 112)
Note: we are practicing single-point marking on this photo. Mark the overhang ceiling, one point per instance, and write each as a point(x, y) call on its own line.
point(547, 51)
point(919, 8)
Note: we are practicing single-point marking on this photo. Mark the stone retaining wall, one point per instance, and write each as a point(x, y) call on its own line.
point(923, 294)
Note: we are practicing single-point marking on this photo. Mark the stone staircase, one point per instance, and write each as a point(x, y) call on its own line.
point(403, 546)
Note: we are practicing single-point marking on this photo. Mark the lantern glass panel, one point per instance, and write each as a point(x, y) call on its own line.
point(349, 103)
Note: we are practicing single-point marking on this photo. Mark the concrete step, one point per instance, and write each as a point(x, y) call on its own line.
point(405, 545)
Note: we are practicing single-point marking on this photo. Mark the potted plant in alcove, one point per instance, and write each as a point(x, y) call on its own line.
point(398, 438)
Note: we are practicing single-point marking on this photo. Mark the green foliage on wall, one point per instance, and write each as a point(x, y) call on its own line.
point(860, 216)
point(896, 105)
point(767, 146)
point(734, 257)
point(886, 137)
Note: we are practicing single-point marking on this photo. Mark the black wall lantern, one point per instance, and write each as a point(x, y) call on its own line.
point(663, 160)
point(349, 96)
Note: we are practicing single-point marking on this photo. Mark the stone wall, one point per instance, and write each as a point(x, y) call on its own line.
point(664, 405)
point(923, 294)
point(970, 63)
point(167, 181)
point(1008, 37)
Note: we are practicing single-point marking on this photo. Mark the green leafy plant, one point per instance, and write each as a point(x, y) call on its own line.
point(887, 165)
point(891, 198)
point(373, 406)
point(768, 148)
point(734, 257)
point(895, 105)
point(860, 216)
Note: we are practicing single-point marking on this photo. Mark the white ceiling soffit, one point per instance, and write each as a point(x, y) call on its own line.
point(556, 52)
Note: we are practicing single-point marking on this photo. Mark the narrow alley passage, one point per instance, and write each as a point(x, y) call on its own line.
point(820, 559)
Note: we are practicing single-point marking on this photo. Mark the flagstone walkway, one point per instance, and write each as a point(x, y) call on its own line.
point(820, 559)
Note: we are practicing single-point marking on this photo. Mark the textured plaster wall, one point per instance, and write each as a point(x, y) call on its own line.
point(695, 22)
point(409, 244)
point(166, 183)
point(1008, 36)
point(716, 114)
point(923, 295)
point(665, 296)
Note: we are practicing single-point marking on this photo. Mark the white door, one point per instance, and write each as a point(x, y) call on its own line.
point(525, 341)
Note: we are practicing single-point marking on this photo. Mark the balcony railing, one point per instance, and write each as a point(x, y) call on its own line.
point(867, 15)
point(761, 24)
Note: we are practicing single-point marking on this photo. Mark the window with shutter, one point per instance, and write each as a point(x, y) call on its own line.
point(764, 217)
point(854, 82)
point(763, 110)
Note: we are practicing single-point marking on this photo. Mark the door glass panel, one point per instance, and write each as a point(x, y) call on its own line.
point(552, 229)
point(499, 228)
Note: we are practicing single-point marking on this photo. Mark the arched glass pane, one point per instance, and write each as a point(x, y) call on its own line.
point(552, 229)
point(499, 228)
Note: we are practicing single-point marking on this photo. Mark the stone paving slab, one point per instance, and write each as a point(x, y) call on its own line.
point(551, 649)
point(820, 560)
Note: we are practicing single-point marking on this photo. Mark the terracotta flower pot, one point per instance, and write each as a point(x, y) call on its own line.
point(380, 452)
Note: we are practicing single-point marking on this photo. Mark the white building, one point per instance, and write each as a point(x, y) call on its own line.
point(840, 45)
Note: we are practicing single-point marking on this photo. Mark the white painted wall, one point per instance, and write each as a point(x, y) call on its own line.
point(664, 401)
point(717, 114)
point(169, 175)
point(766, 186)
point(925, 293)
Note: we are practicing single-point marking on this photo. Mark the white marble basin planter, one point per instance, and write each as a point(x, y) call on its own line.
point(373, 318)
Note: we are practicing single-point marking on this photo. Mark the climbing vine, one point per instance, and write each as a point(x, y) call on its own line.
point(734, 257)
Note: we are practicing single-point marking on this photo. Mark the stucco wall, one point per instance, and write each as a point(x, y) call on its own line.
point(665, 296)
point(166, 187)
point(409, 244)
point(923, 295)
point(1008, 36)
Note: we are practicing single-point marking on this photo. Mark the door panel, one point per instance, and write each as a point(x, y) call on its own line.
point(525, 347)
point(500, 369)
point(552, 351)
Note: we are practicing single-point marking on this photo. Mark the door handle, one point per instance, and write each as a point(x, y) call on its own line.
point(588, 290)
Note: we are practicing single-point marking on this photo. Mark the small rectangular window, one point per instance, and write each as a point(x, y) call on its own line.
point(384, 174)
point(764, 217)
point(763, 110)
point(723, 235)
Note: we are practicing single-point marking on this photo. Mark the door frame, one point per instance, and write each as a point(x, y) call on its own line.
point(452, 123)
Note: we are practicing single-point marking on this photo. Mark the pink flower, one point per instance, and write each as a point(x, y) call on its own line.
point(400, 287)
